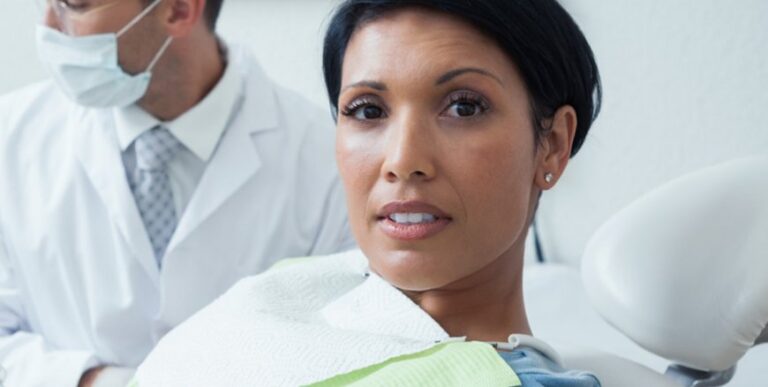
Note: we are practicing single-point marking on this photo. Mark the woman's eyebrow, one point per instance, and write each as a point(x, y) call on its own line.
point(443, 79)
point(458, 72)
point(369, 84)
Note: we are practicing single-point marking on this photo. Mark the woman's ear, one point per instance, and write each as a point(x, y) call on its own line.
point(181, 17)
point(555, 147)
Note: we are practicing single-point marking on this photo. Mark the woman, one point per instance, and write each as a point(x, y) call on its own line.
point(453, 117)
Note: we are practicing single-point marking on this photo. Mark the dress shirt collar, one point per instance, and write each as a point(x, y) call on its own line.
point(199, 129)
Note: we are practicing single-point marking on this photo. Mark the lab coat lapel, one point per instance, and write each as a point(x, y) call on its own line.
point(95, 143)
point(236, 159)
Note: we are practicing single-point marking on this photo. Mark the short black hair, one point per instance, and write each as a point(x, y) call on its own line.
point(539, 36)
point(212, 12)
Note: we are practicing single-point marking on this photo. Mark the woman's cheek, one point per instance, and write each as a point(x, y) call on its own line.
point(357, 157)
point(497, 170)
point(357, 152)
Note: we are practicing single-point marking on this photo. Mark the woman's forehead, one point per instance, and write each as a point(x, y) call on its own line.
point(419, 26)
point(421, 43)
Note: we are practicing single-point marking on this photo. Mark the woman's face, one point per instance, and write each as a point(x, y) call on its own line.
point(436, 149)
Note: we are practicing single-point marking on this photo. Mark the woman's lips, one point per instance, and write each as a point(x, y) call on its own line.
point(412, 220)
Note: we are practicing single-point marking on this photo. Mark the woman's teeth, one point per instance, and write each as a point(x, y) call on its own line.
point(412, 218)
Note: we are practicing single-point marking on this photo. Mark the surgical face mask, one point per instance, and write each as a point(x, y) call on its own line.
point(87, 70)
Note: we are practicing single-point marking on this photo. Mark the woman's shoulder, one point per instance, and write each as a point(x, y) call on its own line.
point(536, 369)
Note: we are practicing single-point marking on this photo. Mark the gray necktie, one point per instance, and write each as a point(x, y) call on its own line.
point(152, 188)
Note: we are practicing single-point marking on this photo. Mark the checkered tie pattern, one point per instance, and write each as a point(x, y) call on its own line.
point(152, 187)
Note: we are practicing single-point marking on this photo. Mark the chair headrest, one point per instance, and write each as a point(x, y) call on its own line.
point(683, 271)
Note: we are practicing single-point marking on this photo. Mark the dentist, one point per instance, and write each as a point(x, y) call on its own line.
point(159, 168)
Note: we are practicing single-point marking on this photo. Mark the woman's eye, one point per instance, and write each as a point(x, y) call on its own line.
point(364, 111)
point(466, 107)
point(369, 113)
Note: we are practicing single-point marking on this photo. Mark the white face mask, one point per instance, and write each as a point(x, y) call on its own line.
point(87, 70)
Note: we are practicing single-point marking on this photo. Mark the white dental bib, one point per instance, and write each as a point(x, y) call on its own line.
point(295, 325)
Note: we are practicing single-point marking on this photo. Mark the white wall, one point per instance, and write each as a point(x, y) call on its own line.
point(686, 86)
point(18, 61)
point(286, 36)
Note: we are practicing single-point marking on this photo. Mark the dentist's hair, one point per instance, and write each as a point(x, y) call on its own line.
point(212, 11)
point(539, 36)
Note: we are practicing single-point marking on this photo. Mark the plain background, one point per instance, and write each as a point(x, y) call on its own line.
point(685, 87)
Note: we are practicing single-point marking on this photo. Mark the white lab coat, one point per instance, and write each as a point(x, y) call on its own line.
point(79, 284)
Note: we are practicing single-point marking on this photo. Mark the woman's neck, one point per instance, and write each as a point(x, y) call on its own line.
point(486, 306)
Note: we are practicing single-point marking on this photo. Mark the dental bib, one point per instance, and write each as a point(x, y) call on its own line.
point(302, 324)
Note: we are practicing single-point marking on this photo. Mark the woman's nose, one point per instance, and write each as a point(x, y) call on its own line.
point(409, 152)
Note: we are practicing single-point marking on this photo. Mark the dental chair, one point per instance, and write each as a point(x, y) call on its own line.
point(683, 273)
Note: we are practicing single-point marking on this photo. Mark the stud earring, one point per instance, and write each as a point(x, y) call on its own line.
point(548, 177)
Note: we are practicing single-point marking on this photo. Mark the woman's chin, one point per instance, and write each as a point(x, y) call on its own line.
point(414, 272)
